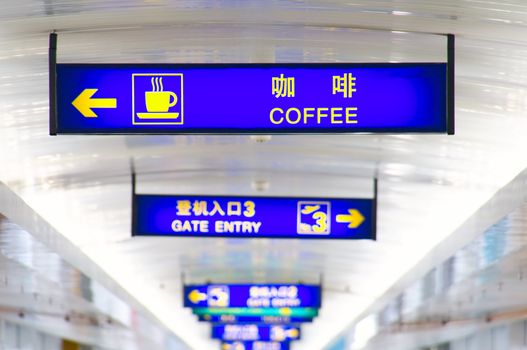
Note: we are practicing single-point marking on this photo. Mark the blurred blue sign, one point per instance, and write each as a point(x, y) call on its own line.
point(252, 332)
point(253, 296)
point(250, 98)
point(253, 217)
point(304, 312)
point(253, 319)
point(254, 345)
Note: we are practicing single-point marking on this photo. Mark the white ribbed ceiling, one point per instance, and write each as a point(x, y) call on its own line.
point(428, 185)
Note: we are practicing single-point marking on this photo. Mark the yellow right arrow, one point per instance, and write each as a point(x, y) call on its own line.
point(195, 296)
point(355, 218)
point(292, 333)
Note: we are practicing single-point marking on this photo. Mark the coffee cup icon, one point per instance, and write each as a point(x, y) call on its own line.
point(157, 100)
point(152, 104)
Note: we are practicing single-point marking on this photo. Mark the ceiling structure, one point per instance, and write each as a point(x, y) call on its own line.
point(480, 286)
point(429, 185)
point(41, 291)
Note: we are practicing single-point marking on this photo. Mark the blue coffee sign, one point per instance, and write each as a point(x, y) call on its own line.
point(253, 319)
point(249, 98)
point(253, 217)
point(253, 332)
point(254, 345)
point(253, 296)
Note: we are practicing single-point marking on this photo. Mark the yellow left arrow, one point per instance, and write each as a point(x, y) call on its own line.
point(84, 103)
point(195, 296)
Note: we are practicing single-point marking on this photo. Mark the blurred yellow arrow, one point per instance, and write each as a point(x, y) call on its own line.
point(285, 311)
point(355, 218)
point(293, 333)
point(84, 103)
point(195, 296)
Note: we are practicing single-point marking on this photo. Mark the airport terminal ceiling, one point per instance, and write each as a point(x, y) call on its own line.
point(428, 185)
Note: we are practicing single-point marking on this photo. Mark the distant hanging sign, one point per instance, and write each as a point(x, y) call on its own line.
point(252, 295)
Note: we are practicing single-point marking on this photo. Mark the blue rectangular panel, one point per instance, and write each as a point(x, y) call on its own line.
point(253, 319)
point(256, 345)
point(253, 217)
point(252, 332)
point(251, 98)
point(248, 311)
point(253, 296)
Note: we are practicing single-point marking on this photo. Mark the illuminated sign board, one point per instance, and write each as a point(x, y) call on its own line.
point(254, 345)
point(259, 312)
point(253, 296)
point(253, 319)
point(250, 98)
point(253, 217)
point(252, 332)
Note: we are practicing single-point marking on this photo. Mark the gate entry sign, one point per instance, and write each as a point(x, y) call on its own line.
point(249, 98)
point(252, 295)
point(253, 217)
